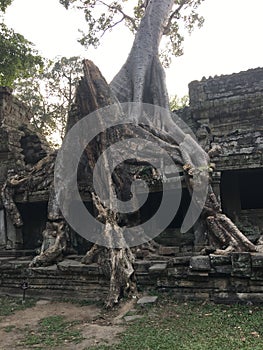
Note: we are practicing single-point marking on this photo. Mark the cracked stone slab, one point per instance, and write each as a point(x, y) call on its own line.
point(147, 300)
point(132, 318)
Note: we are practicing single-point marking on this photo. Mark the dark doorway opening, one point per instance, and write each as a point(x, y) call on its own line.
point(34, 216)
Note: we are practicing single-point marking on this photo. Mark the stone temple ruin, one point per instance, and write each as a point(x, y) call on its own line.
point(225, 111)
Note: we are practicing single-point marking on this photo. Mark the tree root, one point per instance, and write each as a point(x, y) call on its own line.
point(54, 244)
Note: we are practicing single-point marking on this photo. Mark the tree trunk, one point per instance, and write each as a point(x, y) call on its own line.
point(142, 78)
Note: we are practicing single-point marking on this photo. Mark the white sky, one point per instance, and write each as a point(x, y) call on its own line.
point(230, 40)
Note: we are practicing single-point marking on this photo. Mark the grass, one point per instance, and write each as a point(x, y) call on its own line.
point(168, 325)
point(52, 331)
point(9, 329)
point(193, 326)
point(10, 305)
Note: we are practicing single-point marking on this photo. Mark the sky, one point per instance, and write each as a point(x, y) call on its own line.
point(230, 40)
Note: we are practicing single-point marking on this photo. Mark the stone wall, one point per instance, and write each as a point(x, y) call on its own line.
point(232, 108)
point(20, 145)
point(227, 110)
point(222, 279)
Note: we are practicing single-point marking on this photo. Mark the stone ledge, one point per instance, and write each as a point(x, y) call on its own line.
point(237, 278)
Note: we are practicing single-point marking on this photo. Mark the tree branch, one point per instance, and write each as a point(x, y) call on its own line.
point(119, 9)
point(176, 12)
point(112, 26)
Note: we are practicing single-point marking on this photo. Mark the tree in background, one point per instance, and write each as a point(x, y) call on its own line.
point(46, 87)
point(50, 94)
point(17, 54)
point(178, 103)
point(4, 4)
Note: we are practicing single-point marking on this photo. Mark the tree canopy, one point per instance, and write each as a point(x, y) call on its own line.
point(50, 94)
point(104, 15)
point(4, 4)
point(17, 55)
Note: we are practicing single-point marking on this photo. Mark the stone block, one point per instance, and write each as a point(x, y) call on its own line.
point(147, 300)
point(221, 284)
point(257, 260)
point(200, 263)
point(11, 233)
point(168, 250)
point(241, 264)
point(182, 260)
point(132, 318)
point(2, 229)
point(68, 265)
point(177, 272)
point(223, 270)
point(157, 268)
point(218, 260)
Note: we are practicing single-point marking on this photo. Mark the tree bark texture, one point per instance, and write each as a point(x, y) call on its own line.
point(142, 78)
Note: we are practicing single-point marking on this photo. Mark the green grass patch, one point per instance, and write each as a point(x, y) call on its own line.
point(193, 326)
point(9, 329)
point(9, 305)
point(52, 331)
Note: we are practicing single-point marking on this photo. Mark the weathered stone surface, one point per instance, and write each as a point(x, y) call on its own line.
point(147, 300)
point(227, 111)
point(12, 238)
point(73, 265)
point(228, 105)
point(157, 268)
point(71, 280)
point(182, 260)
point(218, 260)
point(223, 269)
point(178, 271)
point(44, 268)
point(132, 318)
point(20, 145)
point(2, 228)
point(241, 264)
point(168, 250)
point(257, 260)
point(200, 263)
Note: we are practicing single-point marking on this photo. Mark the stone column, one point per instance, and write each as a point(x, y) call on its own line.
point(2, 229)
point(216, 182)
point(14, 235)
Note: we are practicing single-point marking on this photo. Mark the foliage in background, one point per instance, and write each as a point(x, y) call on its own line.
point(46, 87)
point(103, 15)
point(4, 4)
point(50, 94)
point(179, 102)
point(17, 54)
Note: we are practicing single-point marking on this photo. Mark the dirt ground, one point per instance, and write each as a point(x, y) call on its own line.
point(95, 325)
